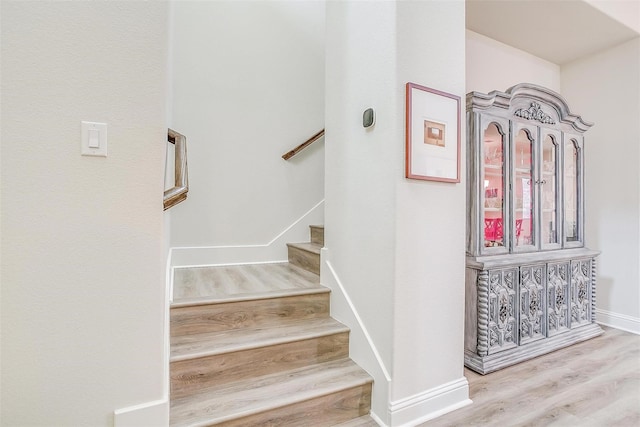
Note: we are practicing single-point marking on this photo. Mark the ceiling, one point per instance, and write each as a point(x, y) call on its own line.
point(559, 31)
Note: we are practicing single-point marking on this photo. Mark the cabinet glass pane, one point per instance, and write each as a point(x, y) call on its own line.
point(549, 190)
point(493, 186)
point(571, 190)
point(523, 194)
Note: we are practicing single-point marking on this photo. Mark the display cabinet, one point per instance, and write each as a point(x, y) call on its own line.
point(530, 280)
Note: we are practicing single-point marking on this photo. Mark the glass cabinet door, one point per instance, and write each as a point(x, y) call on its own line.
point(523, 190)
point(572, 195)
point(494, 193)
point(549, 190)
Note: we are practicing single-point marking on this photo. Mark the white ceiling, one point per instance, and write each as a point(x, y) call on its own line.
point(559, 31)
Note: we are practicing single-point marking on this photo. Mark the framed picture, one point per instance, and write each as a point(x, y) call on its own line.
point(433, 135)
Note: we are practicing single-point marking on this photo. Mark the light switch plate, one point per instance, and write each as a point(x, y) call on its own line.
point(94, 139)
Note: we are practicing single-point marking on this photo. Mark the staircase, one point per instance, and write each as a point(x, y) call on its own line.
point(307, 255)
point(254, 345)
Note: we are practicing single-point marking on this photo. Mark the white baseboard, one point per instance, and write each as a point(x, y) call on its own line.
point(151, 414)
point(273, 251)
point(618, 321)
point(419, 408)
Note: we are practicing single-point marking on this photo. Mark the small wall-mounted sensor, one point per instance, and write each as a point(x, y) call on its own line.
point(368, 118)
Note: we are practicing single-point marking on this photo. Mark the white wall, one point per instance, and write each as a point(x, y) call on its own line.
point(430, 236)
point(361, 169)
point(492, 65)
point(381, 229)
point(430, 253)
point(605, 89)
point(248, 86)
point(82, 257)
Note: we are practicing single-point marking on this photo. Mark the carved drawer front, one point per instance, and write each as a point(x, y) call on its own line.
point(557, 298)
point(502, 309)
point(532, 325)
point(580, 292)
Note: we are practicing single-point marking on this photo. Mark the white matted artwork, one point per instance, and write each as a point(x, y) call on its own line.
point(432, 134)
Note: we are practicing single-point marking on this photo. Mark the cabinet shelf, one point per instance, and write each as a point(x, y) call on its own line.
point(523, 172)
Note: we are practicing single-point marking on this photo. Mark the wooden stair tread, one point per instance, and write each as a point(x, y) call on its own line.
point(206, 344)
point(256, 395)
point(223, 282)
point(365, 421)
point(307, 246)
point(250, 296)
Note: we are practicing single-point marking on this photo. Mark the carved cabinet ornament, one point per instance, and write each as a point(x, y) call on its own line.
point(534, 112)
point(530, 280)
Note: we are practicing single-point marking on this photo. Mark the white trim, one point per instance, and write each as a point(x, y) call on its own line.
point(154, 413)
point(618, 321)
point(419, 408)
point(360, 322)
point(169, 278)
point(168, 299)
point(228, 264)
point(273, 251)
point(377, 419)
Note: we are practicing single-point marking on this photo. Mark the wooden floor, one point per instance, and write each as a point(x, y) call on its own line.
point(595, 383)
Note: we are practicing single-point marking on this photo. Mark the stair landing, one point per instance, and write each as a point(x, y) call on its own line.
point(237, 281)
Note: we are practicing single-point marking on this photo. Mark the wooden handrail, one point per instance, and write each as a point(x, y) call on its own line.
point(178, 192)
point(302, 146)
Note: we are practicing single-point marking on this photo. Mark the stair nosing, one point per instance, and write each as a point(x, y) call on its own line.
point(198, 301)
point(333, 327)
point(290, 398)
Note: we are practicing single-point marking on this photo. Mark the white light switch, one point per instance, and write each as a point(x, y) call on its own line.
point(94, 139)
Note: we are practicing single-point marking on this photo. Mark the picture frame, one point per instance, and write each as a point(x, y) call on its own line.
point(432, 134)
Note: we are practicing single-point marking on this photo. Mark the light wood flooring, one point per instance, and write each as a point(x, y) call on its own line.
point(592, 384)
point(240, 281)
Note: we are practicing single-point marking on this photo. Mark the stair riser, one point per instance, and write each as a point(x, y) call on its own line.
point(317, 235)
point(188, 377)
point(243, 314)
point(304, 259)
point(324, 411)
